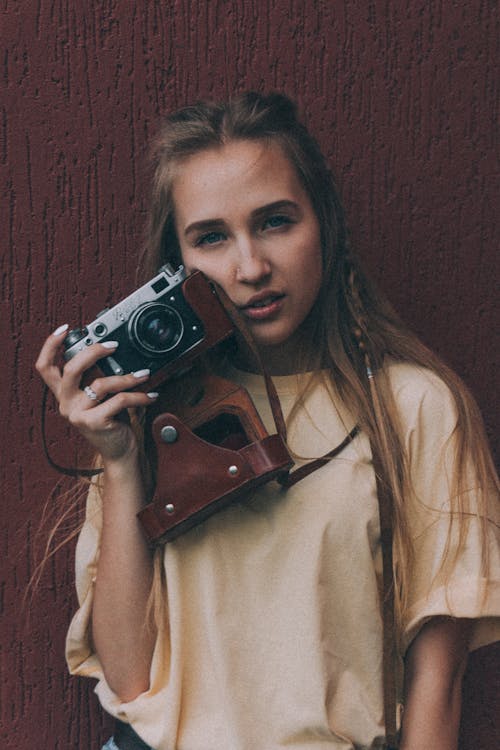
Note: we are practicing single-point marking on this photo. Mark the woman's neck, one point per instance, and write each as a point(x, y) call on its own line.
point(283, 359)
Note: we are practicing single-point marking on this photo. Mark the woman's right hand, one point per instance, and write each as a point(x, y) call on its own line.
point(96, 418)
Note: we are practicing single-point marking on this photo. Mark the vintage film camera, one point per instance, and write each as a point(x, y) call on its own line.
point(207, 443)
point(161, 326)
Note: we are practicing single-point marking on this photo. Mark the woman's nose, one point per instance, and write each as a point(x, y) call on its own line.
point(252, 263)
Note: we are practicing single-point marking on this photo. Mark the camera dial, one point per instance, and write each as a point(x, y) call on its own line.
point(74, 336)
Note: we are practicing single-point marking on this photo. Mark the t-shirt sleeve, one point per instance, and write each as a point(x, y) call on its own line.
point(463, 587)
point(80, 652)
point(79, 649)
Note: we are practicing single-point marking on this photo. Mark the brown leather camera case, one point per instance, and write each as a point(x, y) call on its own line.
point(202, 468)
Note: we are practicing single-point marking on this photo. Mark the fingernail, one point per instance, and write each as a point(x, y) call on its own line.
point(141, 373)
point(152, 394)
point(110, 344)
point(59, 331)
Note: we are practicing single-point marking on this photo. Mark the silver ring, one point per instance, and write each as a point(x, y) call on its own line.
point(90, 393)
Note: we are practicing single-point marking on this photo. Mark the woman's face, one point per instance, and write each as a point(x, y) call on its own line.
point(243, 218)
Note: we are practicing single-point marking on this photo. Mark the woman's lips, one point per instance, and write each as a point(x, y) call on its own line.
point(263, 308)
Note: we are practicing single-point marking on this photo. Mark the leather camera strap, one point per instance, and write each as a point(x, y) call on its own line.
point(303, 471)
point(66, 470)
point(290, 478)
point(385, 505)
point(238, 322)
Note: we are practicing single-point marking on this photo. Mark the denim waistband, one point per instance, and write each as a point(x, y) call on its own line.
point(124, 738)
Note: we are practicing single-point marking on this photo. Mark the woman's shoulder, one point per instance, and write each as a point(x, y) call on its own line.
point(422, 396)
point(408, 378)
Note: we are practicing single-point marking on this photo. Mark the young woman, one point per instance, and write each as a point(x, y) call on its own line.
point(266, 628)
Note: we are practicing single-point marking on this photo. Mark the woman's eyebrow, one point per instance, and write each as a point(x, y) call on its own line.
point(281, 205)
point(206, 224)
point(203, 225)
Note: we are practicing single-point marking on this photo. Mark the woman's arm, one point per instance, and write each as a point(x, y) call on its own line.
point(123, 637)
point(434, 668)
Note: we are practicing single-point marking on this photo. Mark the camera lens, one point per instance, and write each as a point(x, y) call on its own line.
point(156, 328)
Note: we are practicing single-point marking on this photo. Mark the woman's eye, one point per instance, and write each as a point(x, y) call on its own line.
point(273, 222)
point(210, 238)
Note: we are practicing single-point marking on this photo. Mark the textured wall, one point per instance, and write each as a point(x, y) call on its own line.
point(402, 97)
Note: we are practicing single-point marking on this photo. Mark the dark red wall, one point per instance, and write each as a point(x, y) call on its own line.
point(402, 98)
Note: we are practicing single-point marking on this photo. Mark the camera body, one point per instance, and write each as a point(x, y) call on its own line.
point(161, 326)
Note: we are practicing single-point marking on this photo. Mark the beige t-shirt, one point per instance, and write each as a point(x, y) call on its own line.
point(274, 630)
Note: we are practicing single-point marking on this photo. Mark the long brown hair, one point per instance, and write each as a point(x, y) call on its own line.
point(357, 329)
